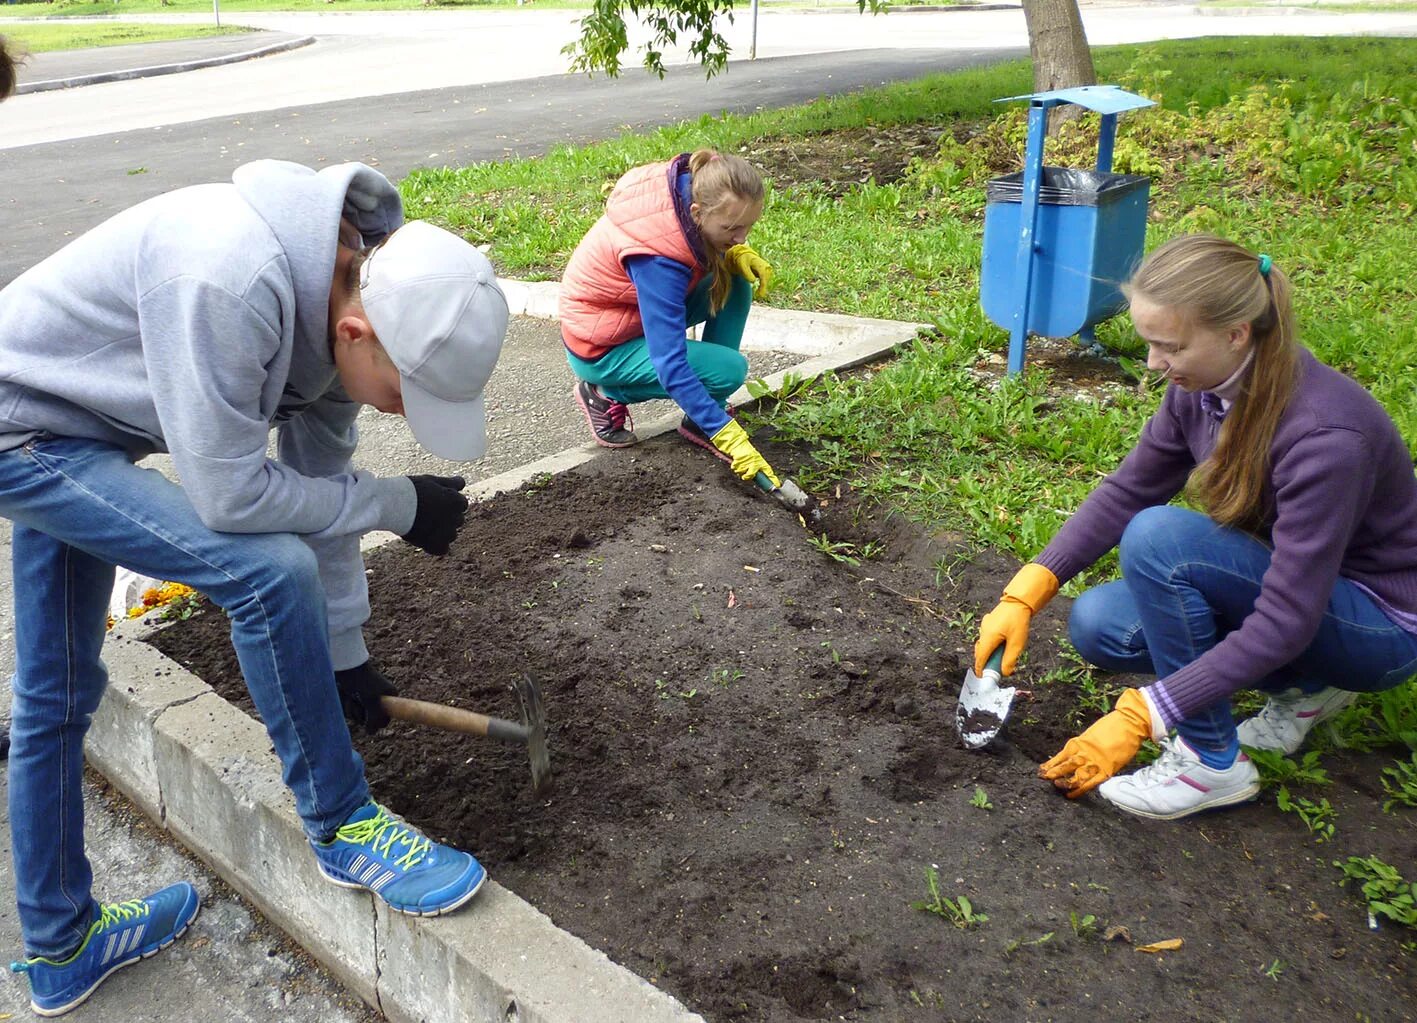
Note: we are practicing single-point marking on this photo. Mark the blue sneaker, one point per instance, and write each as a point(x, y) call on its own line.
point(123, 933)
point(378, 852)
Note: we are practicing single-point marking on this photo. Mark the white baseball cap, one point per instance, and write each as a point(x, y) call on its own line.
point(434, 302)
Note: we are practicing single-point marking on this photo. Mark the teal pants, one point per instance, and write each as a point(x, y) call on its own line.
point(625, 373)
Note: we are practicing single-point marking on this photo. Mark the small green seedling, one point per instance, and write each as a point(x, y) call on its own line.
point(1317, 817)
point(980, 799)
point(957, 911)
point(1083, 926)
point(727, 676)
point(838, 550)
point(1019, 943)
point(1274, 970)
point(182, 608)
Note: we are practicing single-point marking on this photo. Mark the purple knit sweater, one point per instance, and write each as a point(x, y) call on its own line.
point(1344, 503)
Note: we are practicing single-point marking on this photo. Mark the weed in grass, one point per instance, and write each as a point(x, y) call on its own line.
point(1384, 889)
point(1277, 769)
point(1400, 784)
point(1317, 817)
point(1375, 721)
point(957, 911)
point(793, 385)
point(980, 799)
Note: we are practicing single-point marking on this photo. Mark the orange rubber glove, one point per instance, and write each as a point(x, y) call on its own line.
point(747, 463)
point(1025, 595)
point(1102, 750)
point(752, 267)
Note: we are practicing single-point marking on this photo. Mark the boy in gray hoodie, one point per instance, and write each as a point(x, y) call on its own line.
point(193, 323)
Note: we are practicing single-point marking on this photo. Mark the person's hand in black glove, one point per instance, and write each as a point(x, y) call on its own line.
point(440, 514)
point(359, 692)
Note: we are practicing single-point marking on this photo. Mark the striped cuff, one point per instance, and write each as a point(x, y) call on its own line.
point(1159, 727)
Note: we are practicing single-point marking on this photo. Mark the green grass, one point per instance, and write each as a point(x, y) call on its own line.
point(925, 433)
point(43, 38)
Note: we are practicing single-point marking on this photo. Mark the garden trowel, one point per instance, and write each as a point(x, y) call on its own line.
point(531, 732)
point(983, 703)
point(792, 497)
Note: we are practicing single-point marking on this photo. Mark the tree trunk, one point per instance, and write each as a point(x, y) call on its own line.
point(1058, 46)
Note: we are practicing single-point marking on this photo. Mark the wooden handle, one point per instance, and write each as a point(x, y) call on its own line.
point(452, 719)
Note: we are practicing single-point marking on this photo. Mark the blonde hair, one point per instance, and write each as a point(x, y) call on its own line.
point(1216, 284)
point(717, 178)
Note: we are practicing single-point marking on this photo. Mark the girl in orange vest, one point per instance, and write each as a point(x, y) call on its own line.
point(670, 251)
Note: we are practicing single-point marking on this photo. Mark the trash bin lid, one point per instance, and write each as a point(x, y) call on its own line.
point(1105, 99)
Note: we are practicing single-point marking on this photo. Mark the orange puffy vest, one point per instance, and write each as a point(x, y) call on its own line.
point(598, 307)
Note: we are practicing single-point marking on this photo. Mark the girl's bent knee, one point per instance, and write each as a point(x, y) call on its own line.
point(1087, 621)
point(727, 375)
point(1154, 529)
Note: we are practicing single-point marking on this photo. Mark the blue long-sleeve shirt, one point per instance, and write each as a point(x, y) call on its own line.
point(662, 290)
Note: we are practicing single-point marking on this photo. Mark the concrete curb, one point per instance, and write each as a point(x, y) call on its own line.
point(206, 772)
point(162, 69)
point(769, 329)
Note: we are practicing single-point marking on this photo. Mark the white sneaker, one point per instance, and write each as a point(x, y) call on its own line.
point(1286, 718)
point(1178, 784)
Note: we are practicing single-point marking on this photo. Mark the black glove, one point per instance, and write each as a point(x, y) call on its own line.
point(359, 692)
point(440, 514)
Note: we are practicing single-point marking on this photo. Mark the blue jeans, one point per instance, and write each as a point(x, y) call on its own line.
point(1187, 582)
point(80, 507)
point(626, 373)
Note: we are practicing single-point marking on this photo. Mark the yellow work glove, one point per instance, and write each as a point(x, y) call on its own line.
point(747, 463)
point(1031, 588)
point(750, 266)
point(1102, 750)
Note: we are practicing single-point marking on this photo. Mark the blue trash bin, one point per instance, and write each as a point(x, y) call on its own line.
point(1088, 238)
point(1058, 242)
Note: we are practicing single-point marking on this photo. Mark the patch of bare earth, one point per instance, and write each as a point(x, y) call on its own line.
point(755, 765)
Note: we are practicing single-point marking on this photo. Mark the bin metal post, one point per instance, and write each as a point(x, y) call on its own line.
point(1106, 141)
point(1028, 225)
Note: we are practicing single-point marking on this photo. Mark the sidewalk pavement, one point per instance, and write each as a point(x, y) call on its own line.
point(65, 69)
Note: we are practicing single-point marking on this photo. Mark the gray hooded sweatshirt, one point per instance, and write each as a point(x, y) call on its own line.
point(195, 322)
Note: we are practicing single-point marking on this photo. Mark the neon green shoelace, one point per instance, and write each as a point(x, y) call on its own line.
point(383, 834)
point(108, 915)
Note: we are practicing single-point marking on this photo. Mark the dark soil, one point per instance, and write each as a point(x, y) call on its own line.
point(755, 765)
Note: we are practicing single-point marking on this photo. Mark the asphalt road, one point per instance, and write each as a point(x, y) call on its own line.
point(57, 190)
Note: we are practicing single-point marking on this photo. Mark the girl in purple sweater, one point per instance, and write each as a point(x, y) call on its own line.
point(1298, 579)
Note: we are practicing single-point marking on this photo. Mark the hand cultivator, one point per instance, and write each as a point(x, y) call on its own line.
point(531, 732)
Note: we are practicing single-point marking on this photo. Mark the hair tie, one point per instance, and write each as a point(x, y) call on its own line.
point(1265, 264)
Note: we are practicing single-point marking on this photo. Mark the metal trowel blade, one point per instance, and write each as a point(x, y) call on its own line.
point(983, 704)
